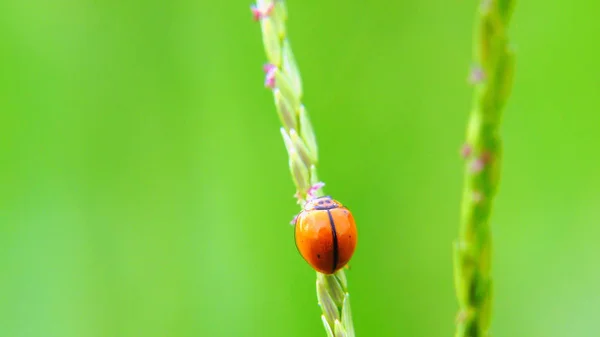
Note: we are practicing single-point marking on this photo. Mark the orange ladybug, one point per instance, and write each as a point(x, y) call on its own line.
point(325, 234)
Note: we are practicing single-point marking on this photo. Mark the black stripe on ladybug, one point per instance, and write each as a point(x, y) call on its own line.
point(335, 242)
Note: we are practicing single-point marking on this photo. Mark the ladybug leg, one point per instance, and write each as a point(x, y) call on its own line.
point(293, 222)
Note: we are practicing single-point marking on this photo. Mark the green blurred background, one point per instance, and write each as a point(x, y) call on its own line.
point(145, 189)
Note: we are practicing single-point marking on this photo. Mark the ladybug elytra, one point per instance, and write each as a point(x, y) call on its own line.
point(325, 234)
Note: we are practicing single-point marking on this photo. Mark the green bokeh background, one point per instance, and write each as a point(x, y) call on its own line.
point(145, 189)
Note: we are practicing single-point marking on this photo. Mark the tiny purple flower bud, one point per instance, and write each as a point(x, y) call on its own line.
point(466, 151)
point(293, 222)
point(268, 67)
point(270, 78)
point(256, 14)
point(314, 188)
point(477, 75)
point(477, 165)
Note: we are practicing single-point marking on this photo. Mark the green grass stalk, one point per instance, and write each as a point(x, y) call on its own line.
point(283, 77)
point(492, 76)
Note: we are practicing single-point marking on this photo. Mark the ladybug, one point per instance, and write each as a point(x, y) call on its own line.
point(325, 234)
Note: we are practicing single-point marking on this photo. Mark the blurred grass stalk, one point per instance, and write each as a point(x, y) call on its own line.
point(492, 76)
point(283, 77)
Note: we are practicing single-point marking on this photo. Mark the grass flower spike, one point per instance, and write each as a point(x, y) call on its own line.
point(492, 77)
point(283, 78)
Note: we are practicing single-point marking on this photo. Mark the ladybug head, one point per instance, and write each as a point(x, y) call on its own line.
point(323, 203)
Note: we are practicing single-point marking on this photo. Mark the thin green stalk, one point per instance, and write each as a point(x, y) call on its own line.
point(492, 77)
point(284, 79)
